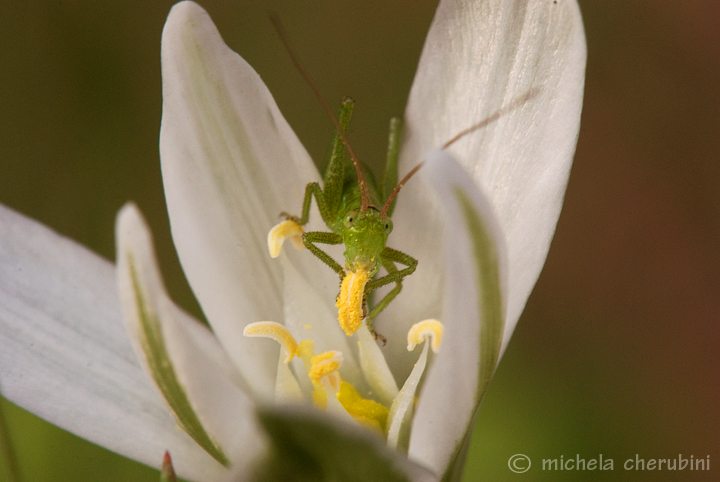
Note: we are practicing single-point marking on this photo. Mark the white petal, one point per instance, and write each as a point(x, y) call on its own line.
point(472, 314)
point(65, 356)
point(230, 165)
point(172, 346)
point(478, 57)
point(375, 367)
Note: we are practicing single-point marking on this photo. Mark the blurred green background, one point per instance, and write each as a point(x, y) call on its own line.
point(618, 350)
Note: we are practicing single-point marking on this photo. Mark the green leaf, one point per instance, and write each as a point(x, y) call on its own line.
point(310, 446)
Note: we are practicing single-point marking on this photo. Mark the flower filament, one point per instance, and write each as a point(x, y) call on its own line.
point(333, 394)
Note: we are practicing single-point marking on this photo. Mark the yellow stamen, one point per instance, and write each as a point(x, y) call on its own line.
point(422, 330)
point(325, 377)
point(349, 301)
point(326, 365)
point(280, 232)
point(306, 352)
point(368, 412)
point(276, 331)
point(322, 370)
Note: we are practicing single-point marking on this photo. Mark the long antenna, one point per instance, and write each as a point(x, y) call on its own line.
point(495, 116)
point(365, 198)
point(395, 191)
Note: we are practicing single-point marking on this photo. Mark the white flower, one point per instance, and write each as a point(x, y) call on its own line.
point(479, 219)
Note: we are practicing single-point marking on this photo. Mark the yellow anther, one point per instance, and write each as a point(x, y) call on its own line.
point(279, 233)
point(276, 331)
point(324, 364)
point(422, 330)
point(349, 301)
point(324, 371)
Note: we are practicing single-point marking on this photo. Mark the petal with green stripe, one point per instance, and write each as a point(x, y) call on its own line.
point(200, 386)
point(473, 313)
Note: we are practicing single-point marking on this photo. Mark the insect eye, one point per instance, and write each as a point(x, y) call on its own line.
point(388, 226)
point(350, 219)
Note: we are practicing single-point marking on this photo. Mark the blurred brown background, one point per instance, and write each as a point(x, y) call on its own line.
point(617, 351)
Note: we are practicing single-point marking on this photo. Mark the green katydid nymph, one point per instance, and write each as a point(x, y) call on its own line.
point(357, 211)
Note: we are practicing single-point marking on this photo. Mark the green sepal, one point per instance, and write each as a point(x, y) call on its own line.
point(167, 472)
point(310, 446)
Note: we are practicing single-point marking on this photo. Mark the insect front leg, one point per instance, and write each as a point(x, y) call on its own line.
point(389, 257)
point(325, 238)
point(312, 189)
